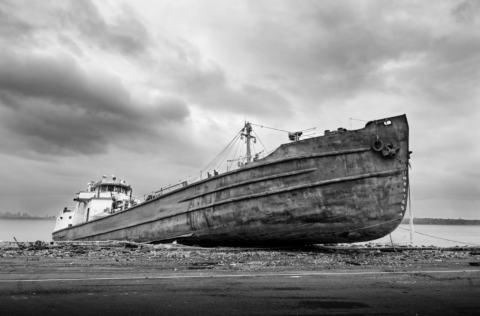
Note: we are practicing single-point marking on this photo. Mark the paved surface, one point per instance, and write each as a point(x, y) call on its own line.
point(127, 292)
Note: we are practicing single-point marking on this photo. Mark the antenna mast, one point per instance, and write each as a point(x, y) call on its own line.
point(248, 130)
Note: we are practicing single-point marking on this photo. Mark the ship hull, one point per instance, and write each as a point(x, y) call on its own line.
point(336, 188)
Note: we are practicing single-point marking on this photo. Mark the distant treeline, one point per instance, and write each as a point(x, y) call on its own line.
point(442, 221)
point(19, 215)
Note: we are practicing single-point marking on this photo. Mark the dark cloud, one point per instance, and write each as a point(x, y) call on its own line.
point(467, 11)
point(336, 49)
point(208, 86)
point(59, 108)
point(126, 34)
point(172, 109)
point(11, 26)
point(61, 79)
point(74, 21)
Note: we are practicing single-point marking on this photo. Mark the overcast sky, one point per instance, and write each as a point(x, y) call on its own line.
point(151, 91)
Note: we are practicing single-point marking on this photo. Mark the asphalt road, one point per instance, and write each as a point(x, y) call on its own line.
point(352, 292)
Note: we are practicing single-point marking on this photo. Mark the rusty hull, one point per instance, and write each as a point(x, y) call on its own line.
point(328, 189)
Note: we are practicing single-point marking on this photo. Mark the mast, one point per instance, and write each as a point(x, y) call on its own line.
point(248, 130)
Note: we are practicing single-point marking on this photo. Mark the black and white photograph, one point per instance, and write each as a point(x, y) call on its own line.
point(239, 157)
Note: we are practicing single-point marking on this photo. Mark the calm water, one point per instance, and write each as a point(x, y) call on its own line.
point(32, 230)
point(26, 229)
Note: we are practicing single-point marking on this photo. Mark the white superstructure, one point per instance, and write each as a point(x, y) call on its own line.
point(101, 199)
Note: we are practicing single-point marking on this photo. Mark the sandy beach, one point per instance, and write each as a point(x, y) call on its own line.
point(187, 280)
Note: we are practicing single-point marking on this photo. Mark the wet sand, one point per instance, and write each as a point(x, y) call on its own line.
point(125, 279)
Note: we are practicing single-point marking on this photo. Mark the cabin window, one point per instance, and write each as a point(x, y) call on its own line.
point(110, 188)
point(61, 217)
point(88, 213)
point(69, 217)
point(117, 189)
point(104, 188)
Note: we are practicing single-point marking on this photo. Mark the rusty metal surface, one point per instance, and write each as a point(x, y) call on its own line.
point(337, 188)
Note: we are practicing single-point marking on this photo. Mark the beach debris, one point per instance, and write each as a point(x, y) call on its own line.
point(177, 256)
point(21, 246)
point(391, 250)
point(353, 263)
point(37, 245)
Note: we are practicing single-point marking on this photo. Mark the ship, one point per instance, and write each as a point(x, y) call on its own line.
point(345, 186)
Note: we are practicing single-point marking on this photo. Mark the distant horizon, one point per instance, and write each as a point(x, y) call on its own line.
point(24, 215)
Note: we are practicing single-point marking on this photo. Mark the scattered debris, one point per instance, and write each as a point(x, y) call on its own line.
point(177, 256)
point(353, 263)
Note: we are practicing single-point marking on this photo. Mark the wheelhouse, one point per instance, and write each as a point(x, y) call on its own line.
point(117, 188)
point(113, 186)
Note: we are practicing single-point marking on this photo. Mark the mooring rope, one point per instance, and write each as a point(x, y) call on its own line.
point(234, 155)
point(260, 141)
point(275, 129)
point(219, 157)
point(460, 242)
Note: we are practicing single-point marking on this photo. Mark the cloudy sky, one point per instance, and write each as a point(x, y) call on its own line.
point(151, 91)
